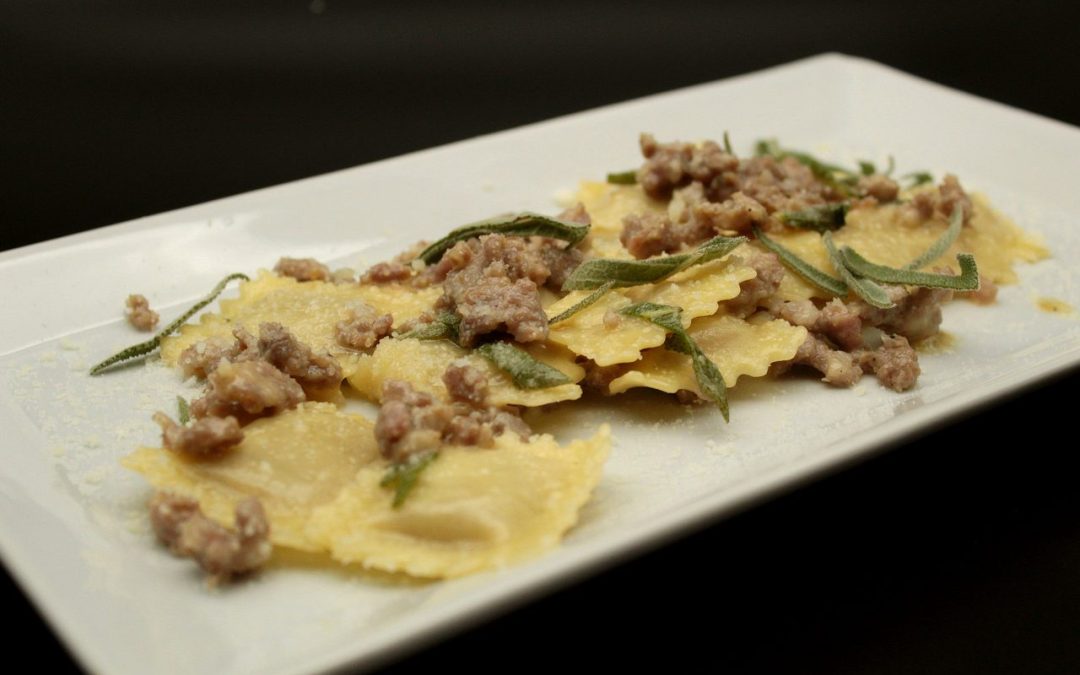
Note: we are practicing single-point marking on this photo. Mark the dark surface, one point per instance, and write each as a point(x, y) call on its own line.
point(940, 556)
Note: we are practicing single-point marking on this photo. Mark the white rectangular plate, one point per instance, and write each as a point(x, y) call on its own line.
point(72, 522)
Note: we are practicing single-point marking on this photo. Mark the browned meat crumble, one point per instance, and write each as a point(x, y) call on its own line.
point(386, 272)
point(895, 363)
point(138, 313)
point(363, 327)
point(412, 422)
point(246, 389)
point(755, 292)
point(280, 348)
point(493, 282)
point(303, 269)
point(948, 196)
point(221, 552)
point(203, 436)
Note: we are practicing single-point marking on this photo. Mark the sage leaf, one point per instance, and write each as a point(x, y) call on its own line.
point(183, 409)
point(823, 218)
point(938, 248)
point(403, 476)
point(623, 178)
point(801, 267)
point(582, 304)
point(708, 376)
point(967, 280)
point(145, 348)
point(866, 289)
point(514, 225)
point(918, 178)
point(525, 371)
point(444, 326)
point(622, 273)
point(727, 144)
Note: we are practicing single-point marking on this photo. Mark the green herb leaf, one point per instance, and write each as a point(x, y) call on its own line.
point(585, 302)
point(727, 144)
point(801, 267)
point(443, 327)
point(821, 218)
point(866, 289)
point(867, 168)
point(938, 248)
point(623, 178)
point(622, 273)
point(524, 370)
point(708, 376)
point(514, 225)
point(183, 409)
point(968, 279)
point(403, 476)
point(144, 348)
point(918, 178)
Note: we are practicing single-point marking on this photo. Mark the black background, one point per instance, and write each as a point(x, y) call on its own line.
point(941, 556)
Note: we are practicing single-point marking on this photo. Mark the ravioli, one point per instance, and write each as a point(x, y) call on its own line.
point(310, 310)
point(317, 472)
point(698, 291)
point(738, 347)
point(422, 363)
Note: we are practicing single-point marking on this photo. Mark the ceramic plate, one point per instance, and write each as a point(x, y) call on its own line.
point(72, 522)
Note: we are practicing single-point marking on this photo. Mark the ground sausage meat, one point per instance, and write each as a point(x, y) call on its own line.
point(202, 357)
point(492, 283)
point(220, 551)
point(363, 327)
point(839, 368)
point(948, 196)
point(302, 269)
point(412, 422)
point(837, 320)
point(671, 165)
point(386, 272)
point(204, 436)
point(916, 316)
point(895, 363)
point(756, 291)
point(280, 348)
point(138, 313)
point(247, 387)
point(466, 383)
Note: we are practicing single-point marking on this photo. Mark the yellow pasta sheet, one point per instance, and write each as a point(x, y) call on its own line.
point(317, 471)
point(892, 234)
point(310, 310)
point(607, 205)
point(598, 333)
point(737, 347)
point(422, 363)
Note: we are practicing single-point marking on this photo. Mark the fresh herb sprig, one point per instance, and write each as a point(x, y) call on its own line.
point(604, 274)
point(444, 326)
point(402, 476)
point(822, 218)
point(967, 280)
point(148, 347)
point(938, 248)
point(525, 370)
point(708, 376)
point(183, 410)
point(866, 289)
point(515, 225)
point(623, 177)
point(804, 269)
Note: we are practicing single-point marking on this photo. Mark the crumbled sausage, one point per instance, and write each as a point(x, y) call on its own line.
point(386, 272)
point(363, 327)
point(754, 292)
point(838, 320)
point(139, 314)
point(281, 349)
point(204, 436)
point(671, 165)
point(492, 282)
point(575, 214)
point(943, 200)
point(202, 357)
point(916, 316)
point(895, 363)
point(220, 551)
point(881, 188)
point(839, 368)
point(412, 422)
point(251, 387)
point(302, 269)
point(466, 383)
point(782, 185)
